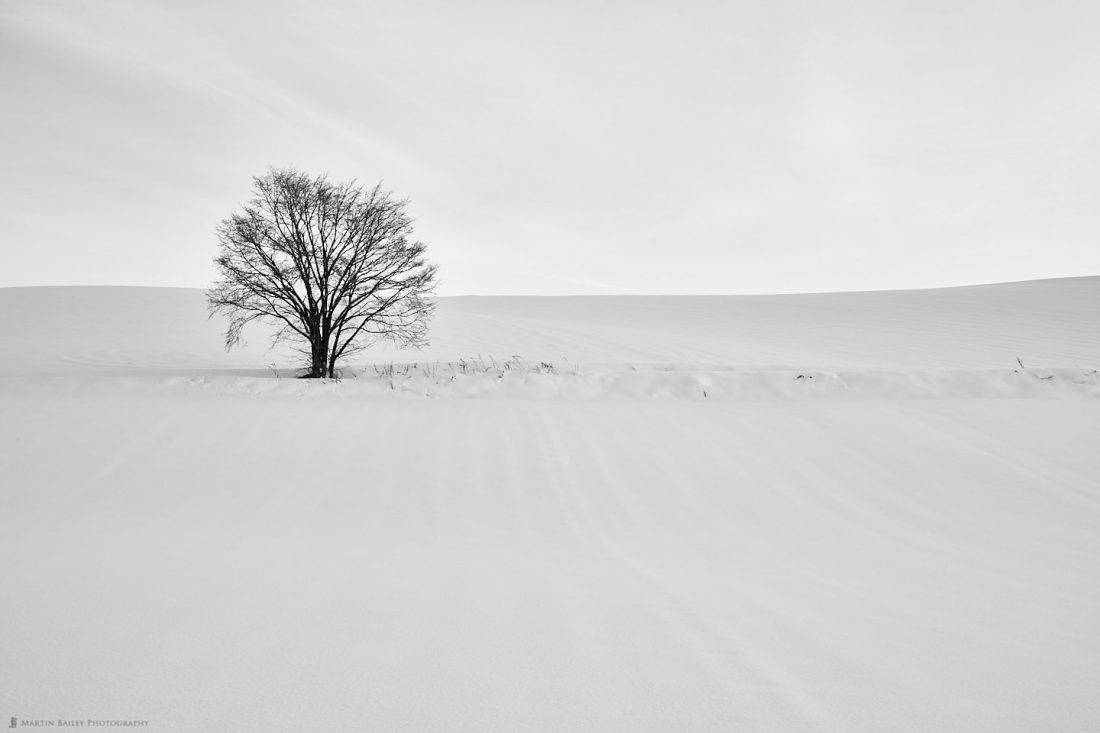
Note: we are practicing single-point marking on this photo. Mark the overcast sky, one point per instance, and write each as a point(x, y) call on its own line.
point(552, 147)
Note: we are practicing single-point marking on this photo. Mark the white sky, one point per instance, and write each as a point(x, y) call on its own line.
point(618, 147)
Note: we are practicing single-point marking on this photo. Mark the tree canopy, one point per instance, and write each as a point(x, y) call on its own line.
point(335, 266)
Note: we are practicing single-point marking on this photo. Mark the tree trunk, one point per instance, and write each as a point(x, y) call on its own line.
point(320, 361)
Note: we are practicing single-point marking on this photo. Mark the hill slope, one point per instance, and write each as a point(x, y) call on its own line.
point(1050, 323)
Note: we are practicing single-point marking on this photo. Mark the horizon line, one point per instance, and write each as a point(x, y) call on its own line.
point(626, 295)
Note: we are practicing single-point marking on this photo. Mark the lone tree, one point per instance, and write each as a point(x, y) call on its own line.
point(333, 265)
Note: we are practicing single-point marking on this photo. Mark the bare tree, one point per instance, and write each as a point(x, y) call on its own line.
point(333, 265)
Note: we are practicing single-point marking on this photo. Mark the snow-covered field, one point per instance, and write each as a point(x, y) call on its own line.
point(863, 511)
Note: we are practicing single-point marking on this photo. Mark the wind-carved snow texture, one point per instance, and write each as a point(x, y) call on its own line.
point(876, 518)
